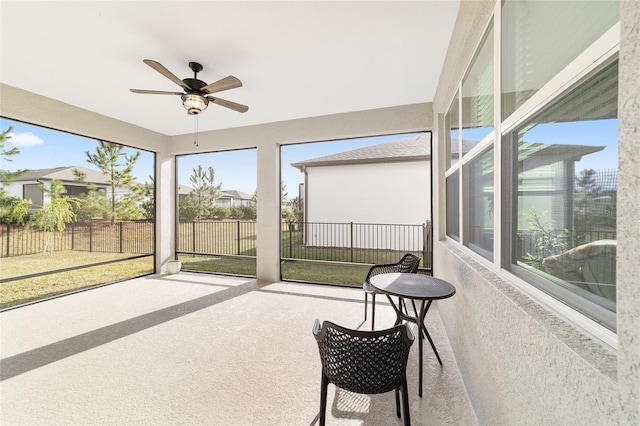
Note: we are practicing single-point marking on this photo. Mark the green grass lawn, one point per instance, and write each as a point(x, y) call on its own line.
point(224, 265)
point(292, 271)
point(352, 275)
point(231, 238)
point(26, 290)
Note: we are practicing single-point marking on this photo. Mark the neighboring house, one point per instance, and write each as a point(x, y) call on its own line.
point(547, 169)
point(228, 198)
point(28, 186)
point(232, 197)
point(388, 183)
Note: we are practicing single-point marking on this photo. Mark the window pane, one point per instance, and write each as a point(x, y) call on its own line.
point(477, 95)
point(479, 201)
point(539, 38)
point(566, 166)
point(453, 205)
point(452, 133)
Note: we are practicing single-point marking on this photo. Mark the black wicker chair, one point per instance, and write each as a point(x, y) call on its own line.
point(408, 263)
point(365, 362)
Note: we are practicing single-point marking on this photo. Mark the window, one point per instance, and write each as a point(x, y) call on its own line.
point(557, 138)
point(563, 196)
point(479, 193)
point(540, 38)
point(477, 95)
point(453, 205)
point(452, 133)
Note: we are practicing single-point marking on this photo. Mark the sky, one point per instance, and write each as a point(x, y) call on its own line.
point(45, 148)
point(600, 133)
point(236, 170)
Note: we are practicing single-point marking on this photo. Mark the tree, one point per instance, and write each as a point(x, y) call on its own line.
point(148, 204)
point(52, 217)
point(587, 189)
point(107, 159)
point(298, 210)
point(7, 202)
point(93, 203)
point(128, 207)
point(205, 192)
point(6, 154)
point(187, 208)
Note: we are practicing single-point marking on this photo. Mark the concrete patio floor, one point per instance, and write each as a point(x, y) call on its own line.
point(202, 349)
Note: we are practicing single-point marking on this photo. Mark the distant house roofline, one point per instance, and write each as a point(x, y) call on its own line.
point(65, 174)
point(417, 148)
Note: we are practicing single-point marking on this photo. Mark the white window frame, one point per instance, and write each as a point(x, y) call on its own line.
point(605, 49)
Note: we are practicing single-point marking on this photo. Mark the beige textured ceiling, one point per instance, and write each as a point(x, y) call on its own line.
point(296, 59)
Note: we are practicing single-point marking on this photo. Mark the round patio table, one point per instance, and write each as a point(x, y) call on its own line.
point(420, 287)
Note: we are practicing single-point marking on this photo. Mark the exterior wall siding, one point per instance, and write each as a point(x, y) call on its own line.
point(390, 193)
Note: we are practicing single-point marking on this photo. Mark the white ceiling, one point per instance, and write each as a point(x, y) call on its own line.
point(296, 59)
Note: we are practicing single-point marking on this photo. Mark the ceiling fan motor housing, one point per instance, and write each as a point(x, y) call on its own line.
point(194, 83)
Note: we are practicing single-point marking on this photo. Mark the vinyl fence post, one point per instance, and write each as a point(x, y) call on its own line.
point(121, 239)
point(193, 236)
point(351, 241)
point(238, 242)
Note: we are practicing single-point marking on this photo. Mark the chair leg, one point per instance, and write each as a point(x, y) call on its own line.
point(405, 404)
point(373, 310)
point(323, 399)
point(366, 298)
point(398, 402)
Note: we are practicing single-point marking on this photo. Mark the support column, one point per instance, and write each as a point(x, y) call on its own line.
point(165, 210)
point(268, 223)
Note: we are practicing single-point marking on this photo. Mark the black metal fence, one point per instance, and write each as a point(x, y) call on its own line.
point(351, 242)
point(122, 237)
point(332, 242)
point(213, 237)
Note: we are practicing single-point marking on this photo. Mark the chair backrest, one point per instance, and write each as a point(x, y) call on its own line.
point(409, 263)
point(366, 362)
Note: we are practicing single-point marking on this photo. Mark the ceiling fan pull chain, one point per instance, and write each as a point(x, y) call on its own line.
point(195, 130)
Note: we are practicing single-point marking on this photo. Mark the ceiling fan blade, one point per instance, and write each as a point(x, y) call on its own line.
point(162, 70)
point(226, 83)
point(228, 104)
point(155, 92)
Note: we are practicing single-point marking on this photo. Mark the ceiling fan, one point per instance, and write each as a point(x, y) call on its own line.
point(194, 97)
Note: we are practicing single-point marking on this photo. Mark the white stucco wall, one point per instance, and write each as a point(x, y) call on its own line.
point(15, 189)
point(368, 195)
point(388, 193)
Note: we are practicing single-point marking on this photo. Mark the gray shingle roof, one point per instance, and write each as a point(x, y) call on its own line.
point(417, 148)
point(231, 193)
point(65, 174)
point(238, 195)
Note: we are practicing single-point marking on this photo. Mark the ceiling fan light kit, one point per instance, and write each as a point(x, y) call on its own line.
point(194, 98)
point(194, 103)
